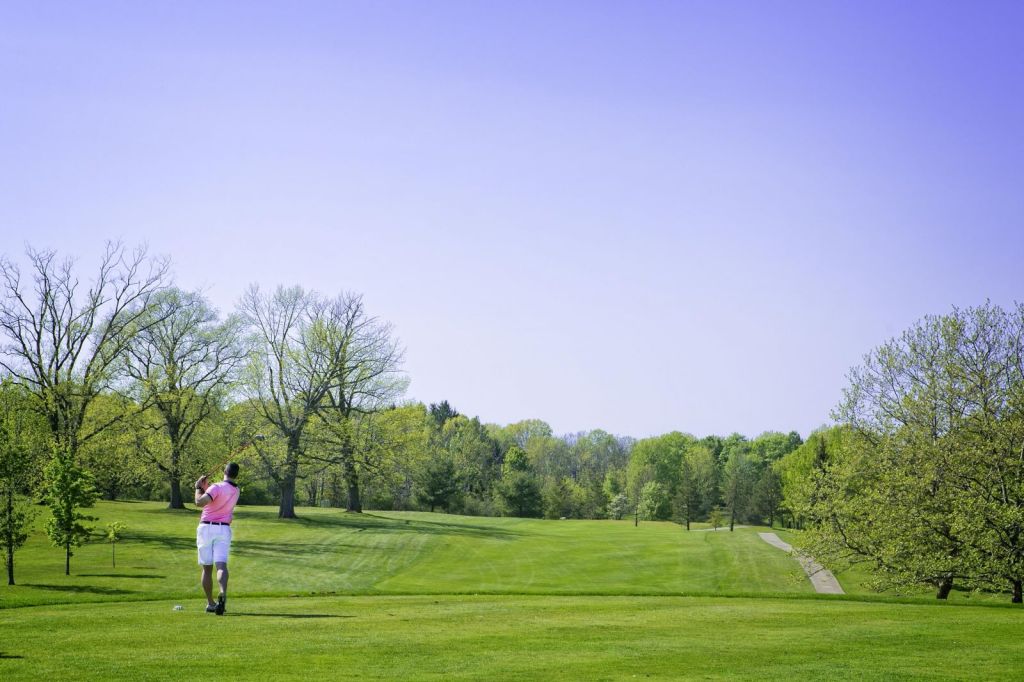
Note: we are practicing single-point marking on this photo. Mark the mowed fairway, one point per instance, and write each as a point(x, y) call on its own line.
point(429, 596)
point(329, 551)
point(513, 637)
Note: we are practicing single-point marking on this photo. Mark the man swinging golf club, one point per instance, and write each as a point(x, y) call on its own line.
point(213, 536)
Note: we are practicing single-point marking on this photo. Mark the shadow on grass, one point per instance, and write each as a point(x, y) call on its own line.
point(382, 524)
point(81, 589)
point(286, 615)
point(175, 542)
point(122, 575)
point(3, 655)
point(282, 548)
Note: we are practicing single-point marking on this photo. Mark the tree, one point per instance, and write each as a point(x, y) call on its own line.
point(651, 500)
point(439, 484)
point(292, 369)
point(365, 361)
point(715, 518)
point(475, 455)
point(929, 485)
point(66, 348)
point(15, 518)
point(737, 482)
point(442, 412)
point(618, 506)
point(519, 488)
point(114, 531)
point(686, 502)
point(68, 488)
point(767, 494)
point(22, 438)
point(396, 454)
point(183, 360)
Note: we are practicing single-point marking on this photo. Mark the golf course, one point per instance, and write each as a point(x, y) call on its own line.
point(403, 595)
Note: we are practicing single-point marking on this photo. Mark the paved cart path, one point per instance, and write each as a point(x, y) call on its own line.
point(822, 579)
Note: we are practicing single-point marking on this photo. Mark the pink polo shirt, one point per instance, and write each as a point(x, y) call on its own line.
point(224, 495)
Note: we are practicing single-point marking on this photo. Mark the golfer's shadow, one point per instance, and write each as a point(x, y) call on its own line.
point(286, 615)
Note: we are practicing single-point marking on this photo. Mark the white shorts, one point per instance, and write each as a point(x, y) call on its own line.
point(214, 543)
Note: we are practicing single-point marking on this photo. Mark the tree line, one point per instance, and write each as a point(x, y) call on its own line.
point(128, 387)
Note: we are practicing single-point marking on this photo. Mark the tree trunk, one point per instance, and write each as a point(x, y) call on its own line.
point(176, 501)
point(732, 519)
point(1018, 598)
point(351, 483)
point(174, 471)
point(291, 471)
point(9, 539)
point(945, 586)
point(67, 559)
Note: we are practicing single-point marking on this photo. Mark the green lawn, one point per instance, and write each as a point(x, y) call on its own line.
point(513, 637)
point(327, 551)
point(430, 596)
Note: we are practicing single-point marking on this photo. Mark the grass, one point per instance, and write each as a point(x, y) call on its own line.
point(430, 596)
point(513, 637)
point(855, 581)
point(328, 551)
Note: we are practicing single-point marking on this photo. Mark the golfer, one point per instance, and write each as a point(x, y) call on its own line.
point(213, 536)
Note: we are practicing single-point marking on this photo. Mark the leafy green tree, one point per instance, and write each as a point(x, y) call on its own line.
point(397, 454)
point(715, 518)
point(699, 479)
point(23, 435)
point(519, 488)
point(115, 532)
point(439, 484)
point(475, 454)
point(69, 488)
point(658, 459)
point(618, 507)
point(183, 360)
point(929, 484)
point(652, 499)
point(738, 482)
point(521, 494)
point(15, 519)
point(686, 502)
point(767, 494)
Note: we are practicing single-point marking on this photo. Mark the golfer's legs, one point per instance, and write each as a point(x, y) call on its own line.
point(222, 576)
point(208, 583)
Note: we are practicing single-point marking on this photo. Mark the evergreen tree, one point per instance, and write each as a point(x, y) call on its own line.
point(438, 484)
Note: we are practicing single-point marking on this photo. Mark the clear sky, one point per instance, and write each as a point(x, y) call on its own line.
point(635, 216)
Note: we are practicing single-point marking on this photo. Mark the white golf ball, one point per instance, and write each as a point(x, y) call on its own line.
point(178, 607)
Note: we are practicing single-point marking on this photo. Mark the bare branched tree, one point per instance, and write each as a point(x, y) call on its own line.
point(368, 378)
point(66, 346)
point(290, 373)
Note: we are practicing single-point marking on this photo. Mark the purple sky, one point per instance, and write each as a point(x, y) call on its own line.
point(633, 216)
